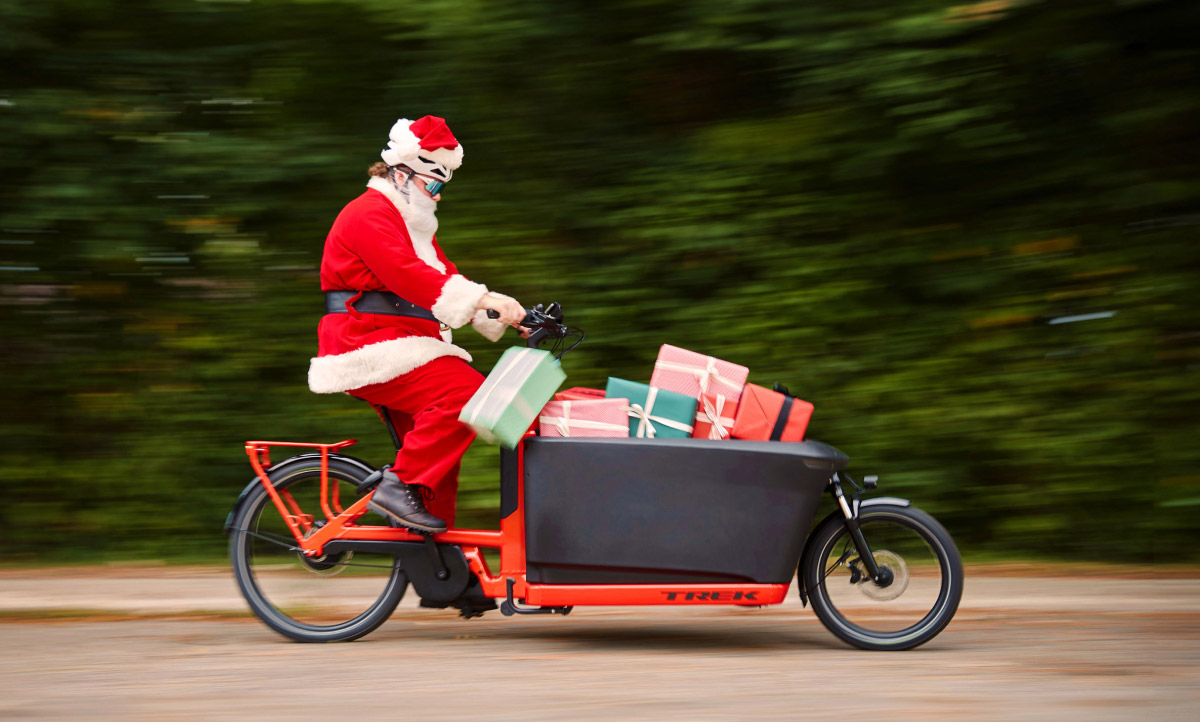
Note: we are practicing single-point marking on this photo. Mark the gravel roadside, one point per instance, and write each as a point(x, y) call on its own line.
point(175, 643)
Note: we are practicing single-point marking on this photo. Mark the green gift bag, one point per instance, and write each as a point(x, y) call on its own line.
point(512, 395)
point(654, 413)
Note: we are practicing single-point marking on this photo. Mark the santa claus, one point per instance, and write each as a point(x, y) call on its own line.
point(391, 298)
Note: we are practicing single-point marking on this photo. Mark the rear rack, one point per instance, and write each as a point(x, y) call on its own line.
point(298, 522)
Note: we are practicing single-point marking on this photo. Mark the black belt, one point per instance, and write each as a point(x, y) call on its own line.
point(381, 302)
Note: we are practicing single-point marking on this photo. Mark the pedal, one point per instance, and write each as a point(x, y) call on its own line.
point(472, 608)
point(468, 608)
point(372, 481)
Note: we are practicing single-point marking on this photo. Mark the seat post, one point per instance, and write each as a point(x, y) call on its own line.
point(387, 421)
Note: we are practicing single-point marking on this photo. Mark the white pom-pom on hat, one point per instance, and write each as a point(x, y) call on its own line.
point(403, 144)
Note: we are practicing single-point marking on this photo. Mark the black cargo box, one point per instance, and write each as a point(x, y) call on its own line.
point(630, 511)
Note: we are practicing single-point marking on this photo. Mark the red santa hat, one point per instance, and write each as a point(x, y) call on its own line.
point(426, 145)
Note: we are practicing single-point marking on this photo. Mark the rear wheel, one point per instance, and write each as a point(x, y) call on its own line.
point(333, 598)
point(921, 586)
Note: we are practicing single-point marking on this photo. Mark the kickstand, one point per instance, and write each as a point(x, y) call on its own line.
point(509, 606)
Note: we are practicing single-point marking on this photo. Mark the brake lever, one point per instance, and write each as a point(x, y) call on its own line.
point(536, 337)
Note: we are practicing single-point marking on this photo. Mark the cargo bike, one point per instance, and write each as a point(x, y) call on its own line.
point(596, 521)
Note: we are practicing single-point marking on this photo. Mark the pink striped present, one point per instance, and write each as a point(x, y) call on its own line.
point(577, 419)
point(688, 372)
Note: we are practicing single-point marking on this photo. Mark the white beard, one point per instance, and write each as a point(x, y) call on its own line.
point(419, 211)
point(420, 216)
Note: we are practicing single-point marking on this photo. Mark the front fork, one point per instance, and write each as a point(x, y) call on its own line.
point(881, 577)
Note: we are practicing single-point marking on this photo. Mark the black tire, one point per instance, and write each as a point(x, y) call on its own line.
point(869, 620)
point(380, 578)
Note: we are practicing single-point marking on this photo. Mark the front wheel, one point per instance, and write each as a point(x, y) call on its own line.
point(923, 578)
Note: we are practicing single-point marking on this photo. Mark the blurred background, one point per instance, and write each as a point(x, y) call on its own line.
point(966, 232)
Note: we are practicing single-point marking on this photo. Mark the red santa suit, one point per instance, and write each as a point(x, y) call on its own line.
point(407, 365)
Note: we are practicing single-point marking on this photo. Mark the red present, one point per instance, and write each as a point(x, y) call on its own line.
point(714, 417)
point(595, 417)
point(579, 393)
point(759, 412)
point(693, 374)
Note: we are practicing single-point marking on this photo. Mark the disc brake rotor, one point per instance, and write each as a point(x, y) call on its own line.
point(894, 563)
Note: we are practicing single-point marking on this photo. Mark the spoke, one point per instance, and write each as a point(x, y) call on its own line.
point(288, 544)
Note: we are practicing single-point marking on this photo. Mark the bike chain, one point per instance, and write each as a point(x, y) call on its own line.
point(293, 548)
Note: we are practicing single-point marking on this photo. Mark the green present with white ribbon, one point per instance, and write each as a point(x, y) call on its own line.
point(654, 413)
point(512, 395)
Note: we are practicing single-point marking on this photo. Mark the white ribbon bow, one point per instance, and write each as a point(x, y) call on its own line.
point(565, 422)
point(645, 429)
point(713, 416)
point(704, 375)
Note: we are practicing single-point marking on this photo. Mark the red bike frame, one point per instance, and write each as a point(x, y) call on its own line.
point(510, 540)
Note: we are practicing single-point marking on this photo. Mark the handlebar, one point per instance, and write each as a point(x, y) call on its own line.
point(545, 322)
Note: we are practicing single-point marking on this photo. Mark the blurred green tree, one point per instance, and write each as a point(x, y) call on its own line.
point(965, 231)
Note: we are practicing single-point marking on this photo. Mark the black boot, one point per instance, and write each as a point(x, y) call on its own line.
point(402, 502)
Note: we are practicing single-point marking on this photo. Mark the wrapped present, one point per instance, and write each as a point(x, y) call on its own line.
point(511, 396)
point(577, 419)
point(714, 417)
point(579, 393)
point(693, 374)
point(653, 412)
point(767, 415)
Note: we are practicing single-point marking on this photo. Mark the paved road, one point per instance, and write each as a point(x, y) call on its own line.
point(1021, 648)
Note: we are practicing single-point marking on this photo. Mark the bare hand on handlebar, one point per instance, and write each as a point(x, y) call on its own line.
point(502, 307)
point(542, 323)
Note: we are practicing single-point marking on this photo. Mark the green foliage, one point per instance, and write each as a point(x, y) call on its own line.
point(884, 205)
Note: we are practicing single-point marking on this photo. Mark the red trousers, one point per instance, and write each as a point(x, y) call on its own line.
point(424, 405)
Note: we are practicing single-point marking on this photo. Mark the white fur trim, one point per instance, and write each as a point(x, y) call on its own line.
point(490, 328)
point(449, 157)
point(456, 303)
point(391, 157)
point(422, 244)
point(376, 363)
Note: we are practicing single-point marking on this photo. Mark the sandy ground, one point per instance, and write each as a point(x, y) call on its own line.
point(168, 643)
